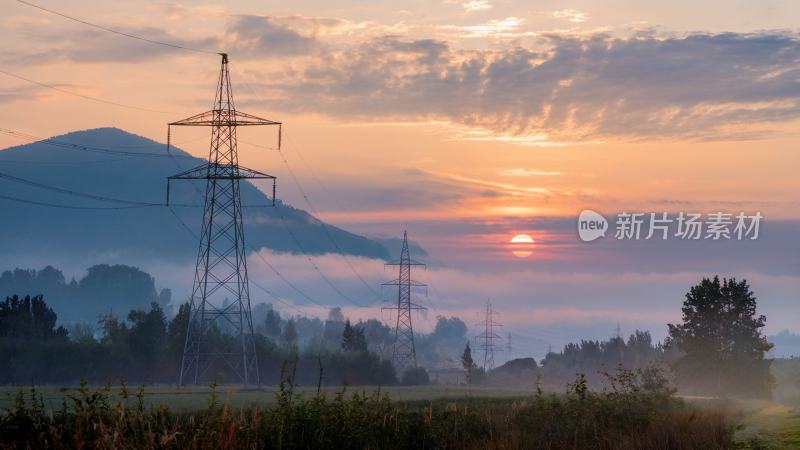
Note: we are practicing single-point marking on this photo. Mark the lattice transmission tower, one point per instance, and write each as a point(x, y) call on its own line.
point(488, 337)
point(404, 354)
point(219, 335)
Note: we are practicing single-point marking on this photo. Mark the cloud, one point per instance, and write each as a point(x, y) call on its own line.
point(547, 89)
point(575, 89)
point(85, 45)
point(507, 27)
point(246, 36)
point(477, 5)
point(572, 15)
point(250, 36)
point(519, 172)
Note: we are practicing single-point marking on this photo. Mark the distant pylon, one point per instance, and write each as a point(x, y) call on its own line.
point(220, 302)
point(404, 354)
point(488, 337)
point(508, 347)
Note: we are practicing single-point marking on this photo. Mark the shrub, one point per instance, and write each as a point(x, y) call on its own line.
point(415, 376)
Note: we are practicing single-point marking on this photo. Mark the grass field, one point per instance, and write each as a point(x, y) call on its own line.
point(768, 425)
point(443, 417)
point(197, 398)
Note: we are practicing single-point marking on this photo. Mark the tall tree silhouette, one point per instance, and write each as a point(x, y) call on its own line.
point(720, 342)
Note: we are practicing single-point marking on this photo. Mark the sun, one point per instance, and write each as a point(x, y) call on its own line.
point(522, 245)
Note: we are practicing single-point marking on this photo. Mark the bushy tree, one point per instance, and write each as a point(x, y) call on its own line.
point(272, 324)
point(289, 336)
point(353, 339)
point(176, 331)
point(722, 350)
point(415, 376)
point(592, 358)
point(468, 363)
point(28, 318)
point(147, 337)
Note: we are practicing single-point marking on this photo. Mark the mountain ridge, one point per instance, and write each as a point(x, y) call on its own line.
point(137, 175)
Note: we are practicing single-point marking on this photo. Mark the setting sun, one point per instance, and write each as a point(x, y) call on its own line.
point(522, 245)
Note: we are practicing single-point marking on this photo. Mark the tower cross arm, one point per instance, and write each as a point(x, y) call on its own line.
point(411, 283)
point(409, 306)
point(223, 117)
point(221, 172)
point(409, 262)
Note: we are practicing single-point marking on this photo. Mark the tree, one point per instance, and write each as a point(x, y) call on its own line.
point(147, 335)
point(720, 342)
point(176, 331)
point(353, 339)
point(336, 315)
point(272, 323)
point(28, 318)
point(415, 376)
point(290, 336)
point(468, 363)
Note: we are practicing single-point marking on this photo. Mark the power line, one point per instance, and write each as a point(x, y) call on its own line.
point(275, 270)
point(88, 148)
point(323, 224)
point(134, 203)
point(286, 280)
point(20, 161)
point(75, 193)
point(139, 204)
point(315, 213)
point(54, 205)
point(258, 285)
point(121, 33)
point(87, 97)
point(319, 271)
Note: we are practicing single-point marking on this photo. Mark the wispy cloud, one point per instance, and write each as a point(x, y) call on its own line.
point(571, 15)
point(577, 89)
point(507, 27)
point(564, 88)
point(477, 5)
point(509, 188)
point(518, 172)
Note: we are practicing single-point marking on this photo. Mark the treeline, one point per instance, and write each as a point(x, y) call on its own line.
point(595, 359)
point(116, 290)
point(147, 347)
point(438, 349)
point(105, 289)
point(718, 349)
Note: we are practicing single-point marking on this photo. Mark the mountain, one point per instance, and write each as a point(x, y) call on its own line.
point(787, 345)
point(33, 229)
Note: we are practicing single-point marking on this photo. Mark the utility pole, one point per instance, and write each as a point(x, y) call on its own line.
point(488, 337)
point(404, 354)
point(220, 298)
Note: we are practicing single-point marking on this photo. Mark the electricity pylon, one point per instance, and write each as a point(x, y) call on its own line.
point(488, 337)
point(404, 355)
point(219, 335)
point(508, 347)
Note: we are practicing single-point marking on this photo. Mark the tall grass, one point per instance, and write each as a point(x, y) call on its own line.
point(625, 416)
